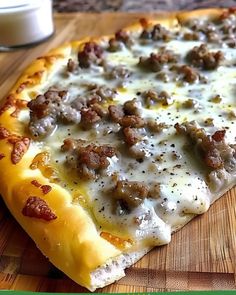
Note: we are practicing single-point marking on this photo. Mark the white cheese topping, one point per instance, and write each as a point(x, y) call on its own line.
point(181, 173)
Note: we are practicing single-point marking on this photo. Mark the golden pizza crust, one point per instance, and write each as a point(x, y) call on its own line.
point(210, 14)
point(71, 241)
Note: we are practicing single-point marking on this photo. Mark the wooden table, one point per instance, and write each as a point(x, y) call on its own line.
point(201, 256)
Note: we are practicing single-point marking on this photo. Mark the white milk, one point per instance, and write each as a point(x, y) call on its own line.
point(24, 22)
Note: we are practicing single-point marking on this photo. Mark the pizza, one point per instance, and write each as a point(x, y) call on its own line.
point(111, 144)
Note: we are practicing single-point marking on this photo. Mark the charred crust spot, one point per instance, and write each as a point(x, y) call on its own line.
point(20, 144)
point(36, 183)
point(10, 102)
point(143, 22)
point(46, 189)
point(38, 208)
point(4, 133)
point(31, 80)
point(225, 14)
point(50, 59)
point(20, 147)
point(22, 87)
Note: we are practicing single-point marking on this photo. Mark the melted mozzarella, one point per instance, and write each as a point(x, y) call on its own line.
point(183, 188)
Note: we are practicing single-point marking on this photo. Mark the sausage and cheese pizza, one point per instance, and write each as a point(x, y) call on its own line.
point(109, 145)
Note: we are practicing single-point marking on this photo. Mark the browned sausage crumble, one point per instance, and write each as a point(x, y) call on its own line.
point(72, 66)
point(156, 33)
point(156, 61)
point(54, 107)
point(220, 30)
point(131, 194)
point(50, 108)
point(213, 148)
point(87, 159)
point(188, 73)
point(121, 38)
point(91, 54)
point(152, 97)
point(202, 58)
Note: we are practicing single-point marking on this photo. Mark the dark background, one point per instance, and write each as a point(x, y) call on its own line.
point(136, 5)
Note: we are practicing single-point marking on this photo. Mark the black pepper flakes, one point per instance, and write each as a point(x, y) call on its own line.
point(102, 209)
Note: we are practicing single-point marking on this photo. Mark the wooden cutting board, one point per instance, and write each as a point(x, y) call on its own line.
point(201, 256)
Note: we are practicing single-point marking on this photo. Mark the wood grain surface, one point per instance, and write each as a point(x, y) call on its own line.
point(201, 256)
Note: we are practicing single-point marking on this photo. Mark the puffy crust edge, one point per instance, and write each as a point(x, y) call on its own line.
point(81, 254)
point(210, 13)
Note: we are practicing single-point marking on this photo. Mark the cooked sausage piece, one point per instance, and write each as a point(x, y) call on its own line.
point(215, 151)
point(202, 58)
point(117, 72)
point(121, 37)
point(116, 113)
point(156, 61)
point(87, 159)
point(131, 192)
point(132, 107)
point(157, 33)
point(131, 135)
point(152, 97)
point(49, 109)
point(91, 54)
point(89, 117)
point(72, 66)
point(188, 73)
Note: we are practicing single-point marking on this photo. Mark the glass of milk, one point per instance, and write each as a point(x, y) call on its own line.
point(24, 22)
